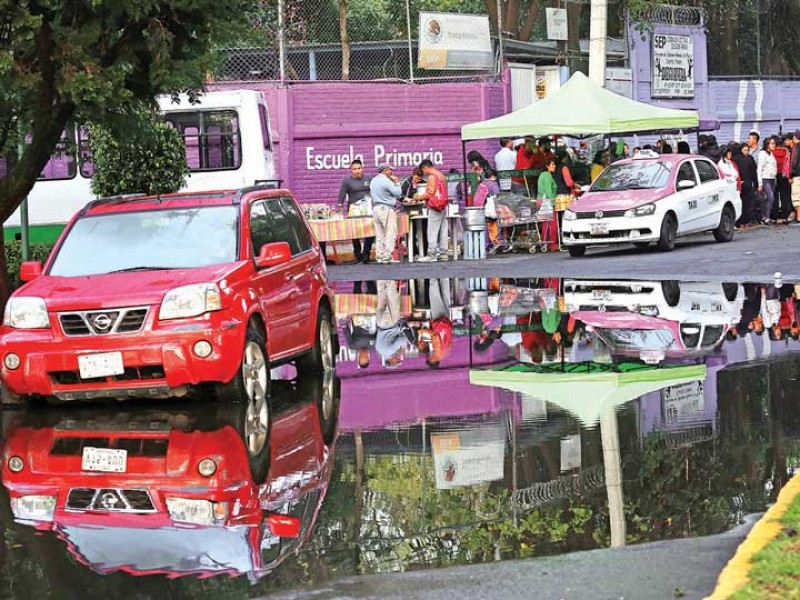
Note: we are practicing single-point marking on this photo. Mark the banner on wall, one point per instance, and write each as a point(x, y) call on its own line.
point(454, 41)
point(673, 66)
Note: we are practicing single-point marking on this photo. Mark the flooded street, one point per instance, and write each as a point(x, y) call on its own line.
point(469, 421)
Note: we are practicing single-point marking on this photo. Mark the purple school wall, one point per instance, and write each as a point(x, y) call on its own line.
point(318, 128)
point(740, 105)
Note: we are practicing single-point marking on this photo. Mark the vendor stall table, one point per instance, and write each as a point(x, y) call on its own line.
point(351, 228)
point(415, 237)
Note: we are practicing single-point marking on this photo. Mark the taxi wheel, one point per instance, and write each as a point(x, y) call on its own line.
point(322, 357)
point(669, 231)
point(577, 251)
point(731, 290)
point(724, 232)
point(672, 292)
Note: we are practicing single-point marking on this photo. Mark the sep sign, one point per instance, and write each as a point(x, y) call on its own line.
point(673, 66)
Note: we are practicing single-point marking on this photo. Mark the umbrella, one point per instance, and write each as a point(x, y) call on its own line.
point(586, 394)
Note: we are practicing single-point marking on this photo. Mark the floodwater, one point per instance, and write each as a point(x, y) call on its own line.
point(469, 421)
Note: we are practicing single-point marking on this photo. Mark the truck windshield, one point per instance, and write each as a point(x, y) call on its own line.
point(643, 175)
point(149, 240)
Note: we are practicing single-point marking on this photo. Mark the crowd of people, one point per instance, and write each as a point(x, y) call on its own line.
point(767, 175)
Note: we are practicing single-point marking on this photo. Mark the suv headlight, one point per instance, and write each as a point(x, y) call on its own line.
point(34, 508)
point(26, 312)
point(199, 512)
point(190, 301)
point(569, 215)
point(641, 211)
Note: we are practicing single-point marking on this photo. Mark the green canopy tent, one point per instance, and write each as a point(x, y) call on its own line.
point(584, 392)
point(582, 108)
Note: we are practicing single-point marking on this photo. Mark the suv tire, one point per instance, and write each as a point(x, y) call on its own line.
point(322, 357)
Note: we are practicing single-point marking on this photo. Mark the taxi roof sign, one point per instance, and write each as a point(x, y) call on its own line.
point(646, 153)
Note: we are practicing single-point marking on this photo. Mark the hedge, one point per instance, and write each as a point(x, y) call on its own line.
point(14, 258)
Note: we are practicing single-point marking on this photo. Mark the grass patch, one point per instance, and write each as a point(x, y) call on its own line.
point(776, 569)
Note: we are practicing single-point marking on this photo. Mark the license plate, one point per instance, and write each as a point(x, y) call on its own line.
point(100, 365)
point(601, 295)
point(107, 460)
point(598, 229)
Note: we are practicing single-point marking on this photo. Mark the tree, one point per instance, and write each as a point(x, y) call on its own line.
point(83, 61)
point(345, 40)
point(150, 159)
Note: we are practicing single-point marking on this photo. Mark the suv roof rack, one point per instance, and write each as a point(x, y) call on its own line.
point(260, 185)
point(143, 196)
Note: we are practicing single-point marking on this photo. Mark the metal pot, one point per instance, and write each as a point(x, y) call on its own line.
point(474, 218)
point(478, 302)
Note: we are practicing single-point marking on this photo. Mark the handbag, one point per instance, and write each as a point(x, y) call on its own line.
point(489, 208)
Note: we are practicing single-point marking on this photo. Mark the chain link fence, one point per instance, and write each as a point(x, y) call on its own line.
point(379, 35)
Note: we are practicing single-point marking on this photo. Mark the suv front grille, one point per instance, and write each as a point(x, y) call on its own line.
point(103, 322)
point(144, 373)
point(110, 499)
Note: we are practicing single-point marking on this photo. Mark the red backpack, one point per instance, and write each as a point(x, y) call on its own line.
point(439, 199)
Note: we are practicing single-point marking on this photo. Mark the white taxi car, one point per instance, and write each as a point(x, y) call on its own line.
point(654, 320)
point(653, 198)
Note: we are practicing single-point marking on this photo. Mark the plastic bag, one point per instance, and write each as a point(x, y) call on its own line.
point(489, 208)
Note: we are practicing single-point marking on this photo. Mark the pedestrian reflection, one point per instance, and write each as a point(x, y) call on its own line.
point(181, 490)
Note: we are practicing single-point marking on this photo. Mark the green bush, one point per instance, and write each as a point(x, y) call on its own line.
point(14, 258)
point(147, 157)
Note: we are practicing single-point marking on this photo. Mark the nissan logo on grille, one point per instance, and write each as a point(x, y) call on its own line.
point(102, 322)
point(599, 214)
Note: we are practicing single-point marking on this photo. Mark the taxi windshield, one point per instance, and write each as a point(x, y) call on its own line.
point(644, 175)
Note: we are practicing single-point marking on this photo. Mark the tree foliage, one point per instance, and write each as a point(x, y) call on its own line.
point(82, 60)
point(151, 158)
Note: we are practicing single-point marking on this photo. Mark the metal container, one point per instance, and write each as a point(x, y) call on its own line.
point(478, 302)
point(474, 218)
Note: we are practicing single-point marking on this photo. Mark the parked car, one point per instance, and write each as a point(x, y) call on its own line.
point(152, 295)
point(176, 491)
point(654, 320)
point(653, 198)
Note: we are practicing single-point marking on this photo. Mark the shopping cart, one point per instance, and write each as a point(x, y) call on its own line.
point(527, 231)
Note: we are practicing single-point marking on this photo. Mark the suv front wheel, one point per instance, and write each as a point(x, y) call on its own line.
point(251, 382)
point(322, 357)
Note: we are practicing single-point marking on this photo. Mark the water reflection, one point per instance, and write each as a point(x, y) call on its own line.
point(479, 420)
point(174, 491)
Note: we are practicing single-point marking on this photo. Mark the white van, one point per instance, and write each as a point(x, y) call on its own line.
point(228, 145)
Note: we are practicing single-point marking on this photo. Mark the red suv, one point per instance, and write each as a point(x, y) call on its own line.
point(146, 296)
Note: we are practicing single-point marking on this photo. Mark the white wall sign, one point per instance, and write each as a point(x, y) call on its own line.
point(557, 24)
point(454, 41)
point(673, 66)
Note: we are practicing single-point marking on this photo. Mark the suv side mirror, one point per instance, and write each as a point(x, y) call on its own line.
point(285, 526)
point(30, 270)
point(686, 184)
point(272, 254)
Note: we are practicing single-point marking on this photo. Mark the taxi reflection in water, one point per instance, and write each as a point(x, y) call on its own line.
point(198, 490)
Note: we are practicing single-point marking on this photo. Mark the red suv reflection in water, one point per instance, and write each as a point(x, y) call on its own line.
point(148, 296)
point(179, 492)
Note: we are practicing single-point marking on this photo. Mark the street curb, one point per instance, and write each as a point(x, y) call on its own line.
point(736, 573)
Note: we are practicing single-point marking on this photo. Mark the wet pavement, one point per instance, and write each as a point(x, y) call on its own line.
point(581, 438)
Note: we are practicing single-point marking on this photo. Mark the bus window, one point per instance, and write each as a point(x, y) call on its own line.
point(85, 152)
point(62, 163)
point(262, 113)
point(212, 139)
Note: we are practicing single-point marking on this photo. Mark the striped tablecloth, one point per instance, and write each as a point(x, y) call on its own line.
point(365, 304)
point(351, 228)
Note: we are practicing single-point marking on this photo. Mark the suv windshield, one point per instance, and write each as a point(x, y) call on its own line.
point(645, 175)
point(149, 240)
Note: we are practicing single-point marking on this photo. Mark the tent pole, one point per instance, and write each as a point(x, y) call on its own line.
point(467, 198)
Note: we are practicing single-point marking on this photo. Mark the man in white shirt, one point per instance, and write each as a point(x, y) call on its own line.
point(505, 160)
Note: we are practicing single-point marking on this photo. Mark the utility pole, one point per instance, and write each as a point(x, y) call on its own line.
point(598, 32)
point(281, 42)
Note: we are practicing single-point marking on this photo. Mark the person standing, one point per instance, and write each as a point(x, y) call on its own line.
point(753, 142)
point(783, 211)
point(767, 172)
point(436, 197)
point(354, 189)
point(385, 190)
point(794, 171)
point(505, 160)
point(748, 171)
